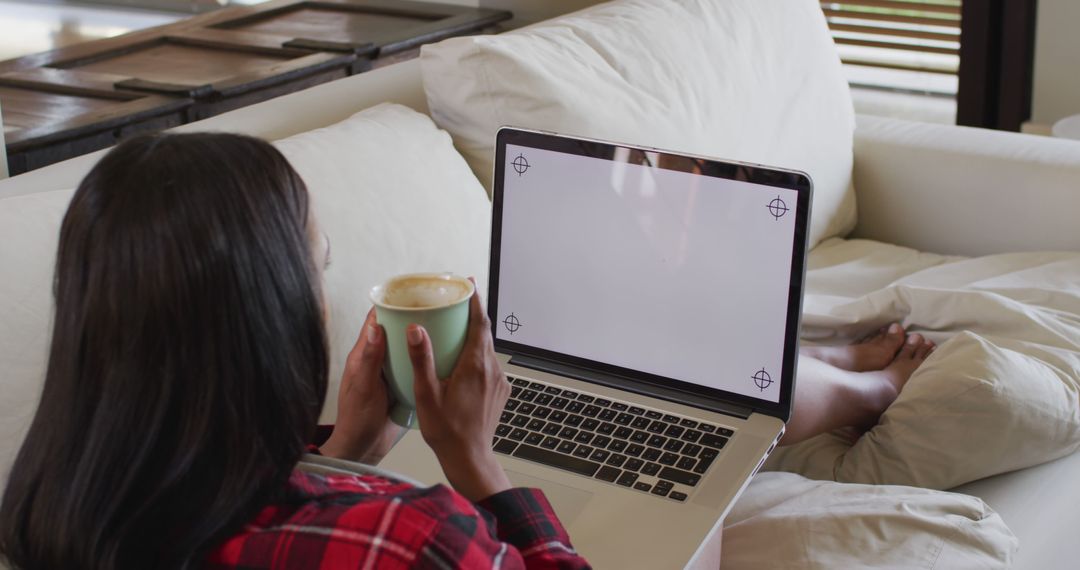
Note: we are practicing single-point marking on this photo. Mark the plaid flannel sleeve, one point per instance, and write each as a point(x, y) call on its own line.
point(472, 536)
point(525, 520)
point(517, 528)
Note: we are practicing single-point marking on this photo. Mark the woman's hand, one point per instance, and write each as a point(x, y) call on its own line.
point(364, 431)
point(458, 415)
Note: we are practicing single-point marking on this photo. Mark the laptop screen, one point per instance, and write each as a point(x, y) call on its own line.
point(674, 267)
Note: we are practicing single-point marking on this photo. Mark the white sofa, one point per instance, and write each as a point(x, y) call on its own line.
point(941, 189)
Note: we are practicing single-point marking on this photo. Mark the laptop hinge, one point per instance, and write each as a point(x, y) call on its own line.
point(631, 385)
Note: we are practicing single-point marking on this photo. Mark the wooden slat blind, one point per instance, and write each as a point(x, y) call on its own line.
point(950, 8)
point(910, 35)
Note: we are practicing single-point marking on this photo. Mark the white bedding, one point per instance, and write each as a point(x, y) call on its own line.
point(853, 286)
point(1000, 394)
point(786, 521)
point(1040, 507)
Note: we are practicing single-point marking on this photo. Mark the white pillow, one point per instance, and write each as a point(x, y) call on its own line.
point(785, 521)
point(393, 196)
point(977, 407)
point(740, 79)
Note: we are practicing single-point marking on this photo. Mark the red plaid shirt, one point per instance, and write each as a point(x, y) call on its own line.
point(366, 521)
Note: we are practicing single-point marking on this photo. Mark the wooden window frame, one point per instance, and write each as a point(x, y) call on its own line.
point(997, 62)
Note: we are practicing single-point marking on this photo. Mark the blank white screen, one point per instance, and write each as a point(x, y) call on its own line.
point(672, 273)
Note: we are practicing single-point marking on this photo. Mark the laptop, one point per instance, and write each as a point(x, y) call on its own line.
point(645, 306)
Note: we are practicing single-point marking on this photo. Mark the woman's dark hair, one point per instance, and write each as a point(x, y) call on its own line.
point(188, 361)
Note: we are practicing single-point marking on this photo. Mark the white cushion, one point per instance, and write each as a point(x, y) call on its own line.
point(393, 196)
point(387, 187)
point(739, 79)
point(29, 231)
point(785, 521)
point(1002, 391)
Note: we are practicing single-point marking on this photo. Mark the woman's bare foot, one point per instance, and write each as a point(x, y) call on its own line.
point(828, 398)
point(874, 352)
point(881, 387)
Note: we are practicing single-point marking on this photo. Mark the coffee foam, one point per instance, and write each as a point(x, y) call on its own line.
point(422, 292)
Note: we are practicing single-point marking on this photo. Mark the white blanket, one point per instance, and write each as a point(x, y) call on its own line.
point(786, 521)
point(1002, 392)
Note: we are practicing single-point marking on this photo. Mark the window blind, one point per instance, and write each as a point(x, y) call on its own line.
point(911, 45)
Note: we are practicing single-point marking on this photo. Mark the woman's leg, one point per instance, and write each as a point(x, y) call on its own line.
point(828, 397)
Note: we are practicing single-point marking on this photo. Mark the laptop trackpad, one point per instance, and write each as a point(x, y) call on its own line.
point(568, 502)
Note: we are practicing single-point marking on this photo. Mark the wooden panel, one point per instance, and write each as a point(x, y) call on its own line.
point(43, 104)
point(44, 125)
point(1017, 64)
point(333, 24)
point(79, 51)
point(235, 40)
point(27, 108)
point(168, 62)
point(282, 72)
point(22, 158)
point(41, 124)
point(253, 92)
point(996, 64)
point(976, 96)
point(81, 98)
point(69, 82)
point(391, 26)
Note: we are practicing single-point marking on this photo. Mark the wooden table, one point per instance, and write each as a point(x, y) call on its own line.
point(82, 98)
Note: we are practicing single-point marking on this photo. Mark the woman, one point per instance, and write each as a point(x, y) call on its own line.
point(187, 371)
point(188, 368)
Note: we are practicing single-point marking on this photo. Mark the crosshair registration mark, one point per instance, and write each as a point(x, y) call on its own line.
point(520, 164)
point(762, 379)
point(777, 208)
point(511, 323)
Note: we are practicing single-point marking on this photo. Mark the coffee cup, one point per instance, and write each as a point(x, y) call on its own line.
point(439, 302)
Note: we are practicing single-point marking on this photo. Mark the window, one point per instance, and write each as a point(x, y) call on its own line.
point(972, 60)
point(899, 45)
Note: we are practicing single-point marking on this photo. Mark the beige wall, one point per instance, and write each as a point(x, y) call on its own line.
point(1056, 92)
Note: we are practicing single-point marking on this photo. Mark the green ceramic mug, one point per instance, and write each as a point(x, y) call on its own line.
point(439, 302)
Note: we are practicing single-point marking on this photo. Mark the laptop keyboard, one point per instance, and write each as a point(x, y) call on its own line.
point(617, 442)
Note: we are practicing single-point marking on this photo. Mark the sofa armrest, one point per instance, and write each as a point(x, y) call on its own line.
point(965, 191)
